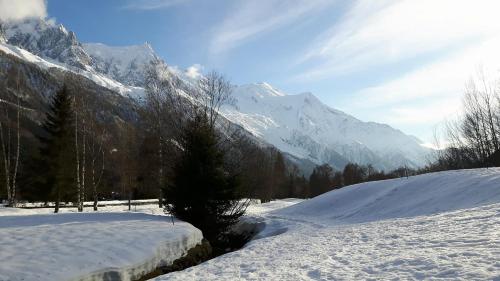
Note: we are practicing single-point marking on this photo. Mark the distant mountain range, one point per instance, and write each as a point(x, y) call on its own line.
point(301, 126)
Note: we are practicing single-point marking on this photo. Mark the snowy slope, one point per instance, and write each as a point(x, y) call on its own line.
point(89, 246)
point(404, 197)
point(438, 226)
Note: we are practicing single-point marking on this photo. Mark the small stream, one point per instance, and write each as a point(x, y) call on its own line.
point(242, 233)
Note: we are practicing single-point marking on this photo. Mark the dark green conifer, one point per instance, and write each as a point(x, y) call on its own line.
point(56, 157)
point(201, 191)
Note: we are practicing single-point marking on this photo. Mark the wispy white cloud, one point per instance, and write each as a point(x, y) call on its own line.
point(444, 78)
point(432, 93)
point(20, 9)
point(430, 112)
point(194, 71)
point(152, 4)
point(374, 33)
point(248, 19)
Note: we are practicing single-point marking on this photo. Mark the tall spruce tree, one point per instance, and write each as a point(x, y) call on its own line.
point(56, 156)
point(279, 185)
point(201, 191)
point(321, 180)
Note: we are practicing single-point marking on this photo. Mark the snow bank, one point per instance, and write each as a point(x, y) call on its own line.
point(403, 197)
point(89, 246)
point(438, 226)
point(462, 245)
point(257, 209)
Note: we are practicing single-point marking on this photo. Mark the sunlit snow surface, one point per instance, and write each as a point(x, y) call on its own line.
point(442, 226)
point(36, 245)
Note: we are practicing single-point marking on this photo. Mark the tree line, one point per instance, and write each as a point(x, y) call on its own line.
point(472, 139)
point(72, 151)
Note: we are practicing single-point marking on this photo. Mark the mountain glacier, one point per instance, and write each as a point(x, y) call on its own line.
point(299, 125)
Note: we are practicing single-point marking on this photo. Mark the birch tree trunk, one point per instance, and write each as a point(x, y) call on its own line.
point(18, 150)
point(11, 175)
point(5, 155)
point(160, 172)
point(82, 187)
point(78, 187)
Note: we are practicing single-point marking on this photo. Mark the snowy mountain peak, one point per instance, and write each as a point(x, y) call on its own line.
point(130, 52)
point(124, 63)
point(52, 41)
point(65, 31)
point(304, 127)
point(257, 91)
point(310, 99)
point(49, 40)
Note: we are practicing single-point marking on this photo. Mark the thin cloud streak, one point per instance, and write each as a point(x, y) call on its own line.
point(430, 94)
point(444, 78)
point(374, 33)
point(250, 19)
point(152, 4)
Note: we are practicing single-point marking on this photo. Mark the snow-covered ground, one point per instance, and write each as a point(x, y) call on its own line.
point(113, 244)
point(436, 226)
point(442, 226)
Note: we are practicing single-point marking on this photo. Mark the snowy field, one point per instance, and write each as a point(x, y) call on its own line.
point(442, 226)
point(113, 244)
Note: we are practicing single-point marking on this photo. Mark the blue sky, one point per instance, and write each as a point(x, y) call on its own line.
point(401, 62)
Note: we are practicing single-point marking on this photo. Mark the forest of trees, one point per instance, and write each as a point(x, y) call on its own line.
point(71, 151)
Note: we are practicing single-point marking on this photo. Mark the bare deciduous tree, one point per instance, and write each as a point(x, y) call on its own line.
point(474, 138)
point(164, 105)
point(214, 91)
point(9, 153)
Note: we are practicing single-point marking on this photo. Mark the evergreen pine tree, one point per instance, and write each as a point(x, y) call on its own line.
point(56, 155)
point(321, 180)
point(201, 191)
point(279, 185)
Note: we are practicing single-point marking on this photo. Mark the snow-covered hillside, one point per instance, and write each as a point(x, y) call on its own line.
point(404, 197)
point(437, 226)
point(300, 125)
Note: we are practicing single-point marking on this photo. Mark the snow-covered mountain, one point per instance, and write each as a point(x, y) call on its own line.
point(306, 128)
point(124, 64)
point(299, 125)
point(49, 40)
